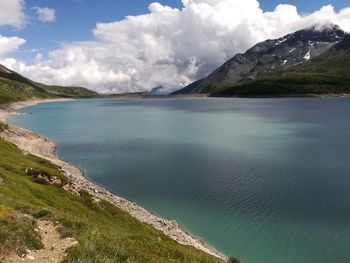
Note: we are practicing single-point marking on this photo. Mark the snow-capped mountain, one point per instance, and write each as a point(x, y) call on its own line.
point(270, 56)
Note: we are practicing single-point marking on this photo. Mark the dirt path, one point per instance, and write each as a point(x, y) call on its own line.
point(54, 246)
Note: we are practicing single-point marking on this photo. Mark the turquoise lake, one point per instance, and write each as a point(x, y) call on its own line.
point(265, 180)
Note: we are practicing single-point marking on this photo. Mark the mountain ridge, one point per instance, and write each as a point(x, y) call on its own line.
point(327, 74)
point(270, 56)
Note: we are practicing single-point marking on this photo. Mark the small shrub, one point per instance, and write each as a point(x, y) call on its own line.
point(3, 126)
point(233, 260)
point(43, 213)
point(32, 172)
point(39, 180)
point(83, 193)
point(87, 199)
point(72, 224)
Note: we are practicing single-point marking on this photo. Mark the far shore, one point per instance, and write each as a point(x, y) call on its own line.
point(141, 95)
point(208, 95)
point(8, 111)
point(43, 147)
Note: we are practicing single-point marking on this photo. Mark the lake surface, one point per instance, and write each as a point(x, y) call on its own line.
point(266, 180)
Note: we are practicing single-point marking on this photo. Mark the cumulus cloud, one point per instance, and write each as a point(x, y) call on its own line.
point(12, 13)
point(170, 47)
point(9, 44)
point(45, 14)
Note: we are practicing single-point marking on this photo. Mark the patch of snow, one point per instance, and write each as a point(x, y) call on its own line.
point(307, 56)
point(281, 40)
point(284, 62)
point(290, 51)
point(324, 43)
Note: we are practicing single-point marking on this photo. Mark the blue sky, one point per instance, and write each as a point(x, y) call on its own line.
point(168, 48)
point(76, 19)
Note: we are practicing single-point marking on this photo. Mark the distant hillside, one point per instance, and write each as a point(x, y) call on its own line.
point(269, 57)
point(15, 87)
point(328, 73)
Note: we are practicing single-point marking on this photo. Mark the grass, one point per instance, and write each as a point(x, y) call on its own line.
point(70, 92)
point(288, 84)
point(105, 232)
point(17, 233)
point(11, 90)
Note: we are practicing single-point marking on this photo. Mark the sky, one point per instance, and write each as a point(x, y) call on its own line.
point(115, 46)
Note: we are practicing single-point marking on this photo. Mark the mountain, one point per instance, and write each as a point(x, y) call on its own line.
point(270, 56)
point(335, 62)
point(15, 87)
point(327, 74)
point(158, 91)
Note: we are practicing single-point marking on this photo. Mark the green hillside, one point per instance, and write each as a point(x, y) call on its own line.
point(15, 87)
point(288, 84)
point(106, 234)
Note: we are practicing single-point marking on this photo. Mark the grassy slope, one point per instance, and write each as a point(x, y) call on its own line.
point(14, 87)
point(69, 91)
point(11, 91)
point(288, 84)
point(105, 233)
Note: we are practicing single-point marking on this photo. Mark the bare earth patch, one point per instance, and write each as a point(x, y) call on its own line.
point(54, 246)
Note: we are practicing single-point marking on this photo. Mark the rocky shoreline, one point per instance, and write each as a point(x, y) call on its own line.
point(43, 147)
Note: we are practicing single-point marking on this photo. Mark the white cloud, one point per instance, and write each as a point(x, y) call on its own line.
point(45, 14)
point(9, 44)
point(169, 47)
point(12, 13)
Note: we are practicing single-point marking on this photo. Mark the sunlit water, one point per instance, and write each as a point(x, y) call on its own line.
point(266, 180)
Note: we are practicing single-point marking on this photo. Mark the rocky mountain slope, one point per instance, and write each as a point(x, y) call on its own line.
point(327, 74)
point(270, 56)
point(15, 87)
point(335, 62)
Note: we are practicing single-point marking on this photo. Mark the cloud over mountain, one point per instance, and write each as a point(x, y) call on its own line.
point(169, 47)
